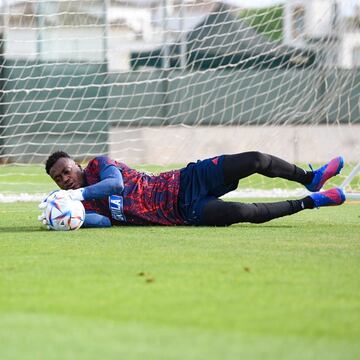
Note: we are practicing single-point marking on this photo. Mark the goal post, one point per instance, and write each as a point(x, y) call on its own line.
point(355, 195)
point(164, 83)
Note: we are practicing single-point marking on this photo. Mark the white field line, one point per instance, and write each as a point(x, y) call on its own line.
point(271, 193)
point(23, 197)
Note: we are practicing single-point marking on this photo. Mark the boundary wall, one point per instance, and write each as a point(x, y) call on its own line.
point(75, 107)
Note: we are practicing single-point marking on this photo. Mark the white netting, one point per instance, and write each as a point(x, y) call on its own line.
point(171, 81)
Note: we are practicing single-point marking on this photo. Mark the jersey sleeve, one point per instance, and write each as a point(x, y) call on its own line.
point(94, 220)
point(111, 180)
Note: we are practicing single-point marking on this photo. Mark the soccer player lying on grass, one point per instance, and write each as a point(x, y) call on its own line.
point(114, 194)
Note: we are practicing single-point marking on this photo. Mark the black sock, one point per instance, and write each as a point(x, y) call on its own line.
point(308, 202)
point(308, 177)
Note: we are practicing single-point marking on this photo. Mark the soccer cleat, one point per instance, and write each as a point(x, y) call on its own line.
point(331, 197)
point(321, 175)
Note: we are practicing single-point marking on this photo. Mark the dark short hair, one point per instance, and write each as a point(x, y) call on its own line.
point(53, 158)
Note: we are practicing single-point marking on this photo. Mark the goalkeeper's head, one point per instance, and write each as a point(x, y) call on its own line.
point(64, 171)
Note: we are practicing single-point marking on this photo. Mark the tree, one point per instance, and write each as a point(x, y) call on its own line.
point(267, 21)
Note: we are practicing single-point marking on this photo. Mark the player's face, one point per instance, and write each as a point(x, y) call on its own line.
point(67, 174)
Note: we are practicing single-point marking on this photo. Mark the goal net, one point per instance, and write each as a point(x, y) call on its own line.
point(157, 84)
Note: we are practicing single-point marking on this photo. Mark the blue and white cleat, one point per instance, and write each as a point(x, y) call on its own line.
point(331, 197)
point(323, 174)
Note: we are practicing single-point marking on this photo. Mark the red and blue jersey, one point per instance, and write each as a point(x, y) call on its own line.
point(130, 197)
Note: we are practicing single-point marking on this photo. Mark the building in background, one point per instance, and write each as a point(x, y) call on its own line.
point(327, 25)
point(87, 30)
point(83, 30)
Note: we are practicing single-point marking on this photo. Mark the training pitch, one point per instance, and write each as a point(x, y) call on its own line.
point(288, 289)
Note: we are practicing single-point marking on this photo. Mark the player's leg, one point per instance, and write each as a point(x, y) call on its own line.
point(223, 213)
point(241, 165)
point(220, 213)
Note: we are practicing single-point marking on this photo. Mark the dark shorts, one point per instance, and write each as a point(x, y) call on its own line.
point(200, 183)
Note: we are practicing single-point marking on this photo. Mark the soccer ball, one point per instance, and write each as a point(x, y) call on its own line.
point(64, 214)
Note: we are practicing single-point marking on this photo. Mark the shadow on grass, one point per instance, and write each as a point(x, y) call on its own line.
point(35, 229)
point(261, 226)
point(20, 229)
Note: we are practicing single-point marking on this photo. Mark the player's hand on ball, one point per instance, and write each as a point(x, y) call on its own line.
point(42, 217)
point(75, 194)
point(65, 194)
point(56, 194)
point(42, 206)
point(60, 211)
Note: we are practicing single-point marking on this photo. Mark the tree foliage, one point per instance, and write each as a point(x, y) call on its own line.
point(267, 21)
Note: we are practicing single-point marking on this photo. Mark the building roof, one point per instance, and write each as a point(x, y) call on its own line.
point(225, 39)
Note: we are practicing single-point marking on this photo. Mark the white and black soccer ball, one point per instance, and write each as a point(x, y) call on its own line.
point(63, 213)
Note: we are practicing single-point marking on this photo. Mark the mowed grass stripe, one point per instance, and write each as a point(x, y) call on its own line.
point(288, 289)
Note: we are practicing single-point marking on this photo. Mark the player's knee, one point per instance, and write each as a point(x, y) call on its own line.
point(257, 213)
point(235, 213)
point(240, 212)
point(260, 160)
point(228, 213)
point(253, 213)
point(221, 213)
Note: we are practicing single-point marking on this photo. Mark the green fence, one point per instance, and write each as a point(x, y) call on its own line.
point(52, 106)
point(46, 106)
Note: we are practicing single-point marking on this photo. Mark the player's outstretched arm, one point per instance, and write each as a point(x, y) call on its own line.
point(91, 219)
point(94, 220)
point(111, 183)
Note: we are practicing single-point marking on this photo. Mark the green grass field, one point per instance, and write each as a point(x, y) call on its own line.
point(289, 289)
